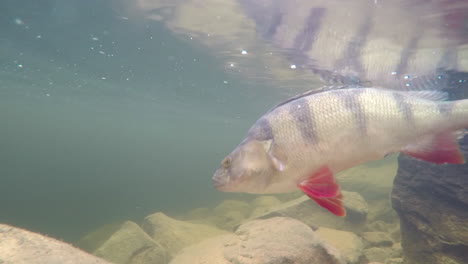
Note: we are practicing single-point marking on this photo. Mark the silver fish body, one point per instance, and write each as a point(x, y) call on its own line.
point(340, 129)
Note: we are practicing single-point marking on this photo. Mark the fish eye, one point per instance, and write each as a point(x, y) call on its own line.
point(226, 163)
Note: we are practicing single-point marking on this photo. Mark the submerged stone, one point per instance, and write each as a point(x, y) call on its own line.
point(19, 246)
point(232, 205)
point(380, 254)
point(432, 201)
point(308, 212)
point(199, 213)
point(128, 244)
point(276, 240)
point(377, 239)
point(266, 201)
point(173, 234)
point(348, 244)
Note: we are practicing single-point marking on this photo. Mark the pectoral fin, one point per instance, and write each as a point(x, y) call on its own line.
point(277, 163)
point(322, 188)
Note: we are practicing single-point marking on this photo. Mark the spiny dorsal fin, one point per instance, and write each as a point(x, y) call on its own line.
point(315, 91)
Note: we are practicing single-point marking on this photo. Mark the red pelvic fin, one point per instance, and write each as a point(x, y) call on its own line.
point(322, 188)
point(441, 148)
point(334, 205)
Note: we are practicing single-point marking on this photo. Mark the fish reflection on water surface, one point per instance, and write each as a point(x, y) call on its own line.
point(358, 42)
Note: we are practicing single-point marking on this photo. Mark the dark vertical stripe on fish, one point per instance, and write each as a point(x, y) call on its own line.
point(353, 104)
point(261, 130)
point(404, 107)
point(305, 39)
point(303, 118)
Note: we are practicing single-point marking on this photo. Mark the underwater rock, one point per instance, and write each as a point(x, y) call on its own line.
point(173, 235)
point(208, 251)
point(199, 213)
point(382, 210)
point(232, 205)
point(393, 229)
point(349, 244)
point(263, 205)
point(230, 214)
point(379, 254)
point(19, 246)
point(308, 212)
point(379, 226)
point(356, 207)
point(229, 220)
point(377, 239)
point(274, 241)
point(265, 201)
point(129, 244)
point(397, 251)
point(259, 211)
point(394, 261)
point(432, 201)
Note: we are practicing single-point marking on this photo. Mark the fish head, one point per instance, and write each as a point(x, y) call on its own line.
point(248, 168)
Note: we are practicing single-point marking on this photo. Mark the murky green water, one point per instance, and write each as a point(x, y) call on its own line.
point(105, 120)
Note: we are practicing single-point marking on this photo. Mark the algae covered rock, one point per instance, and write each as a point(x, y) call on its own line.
point(19, 246)
point(308, 212)
point(394, 261)
point(348, 244)
point(263, 204)
point(230, 213)
point(431, 201)
point(232, 205)
point(229, 220)
point(266, 201)
point(127, 243)
point(382, 210)
point(208, 251)
point(199, 213)
point(173, 235)
point(275, 241)
point(356, 207)
point(377, 239)
point(379, 254)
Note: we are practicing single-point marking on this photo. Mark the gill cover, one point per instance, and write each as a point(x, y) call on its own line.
point(273, 154)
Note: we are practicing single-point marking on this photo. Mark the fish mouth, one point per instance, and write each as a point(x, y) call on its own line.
point(217, 183)
point(220, 182)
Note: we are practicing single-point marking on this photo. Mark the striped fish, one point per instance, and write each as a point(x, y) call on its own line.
point(304, 141)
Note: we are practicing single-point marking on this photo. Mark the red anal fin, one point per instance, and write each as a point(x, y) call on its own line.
point(322, 188)
point(442, 148)
point(334, 205)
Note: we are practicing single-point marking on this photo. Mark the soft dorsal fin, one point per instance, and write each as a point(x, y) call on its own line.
point(429, 95)
point(315, 91)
